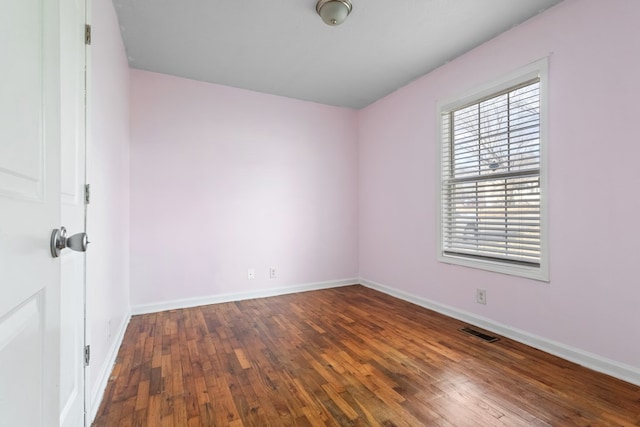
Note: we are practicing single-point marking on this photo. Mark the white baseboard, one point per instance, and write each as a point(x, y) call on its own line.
point(592, 361)
point(104, 373)
point(217, 299)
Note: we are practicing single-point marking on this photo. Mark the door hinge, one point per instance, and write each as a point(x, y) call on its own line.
point(87, 355)
point(87, 193)
point(87, 34)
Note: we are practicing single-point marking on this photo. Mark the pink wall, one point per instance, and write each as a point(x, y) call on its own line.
point(224, 179)
point(108, 174)
point(593, 299)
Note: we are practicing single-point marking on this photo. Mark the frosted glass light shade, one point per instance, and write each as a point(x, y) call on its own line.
point(333, 12)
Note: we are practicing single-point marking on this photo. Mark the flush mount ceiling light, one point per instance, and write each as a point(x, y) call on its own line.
point(333, 12)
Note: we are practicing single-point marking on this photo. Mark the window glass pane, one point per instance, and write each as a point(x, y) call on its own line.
point(491, 177)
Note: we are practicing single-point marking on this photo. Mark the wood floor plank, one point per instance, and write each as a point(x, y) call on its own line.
point(344, 356)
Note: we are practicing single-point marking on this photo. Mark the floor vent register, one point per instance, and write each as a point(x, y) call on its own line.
point(482, 336)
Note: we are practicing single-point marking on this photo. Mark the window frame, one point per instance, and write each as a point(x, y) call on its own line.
point(537, 69)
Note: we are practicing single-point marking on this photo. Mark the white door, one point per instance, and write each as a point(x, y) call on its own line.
point(29, 210)
point(72, 116)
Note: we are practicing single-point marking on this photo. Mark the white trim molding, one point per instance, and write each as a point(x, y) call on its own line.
point(97, 394)
point(217, 299)
point(592, 361)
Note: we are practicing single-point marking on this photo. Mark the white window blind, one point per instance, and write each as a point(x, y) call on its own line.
point(491, 178)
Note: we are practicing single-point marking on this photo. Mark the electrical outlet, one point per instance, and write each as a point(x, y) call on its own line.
point(251, 273)
point(272, 273)
point(481, 296)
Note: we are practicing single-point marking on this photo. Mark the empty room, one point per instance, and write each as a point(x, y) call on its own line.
point(320, 213)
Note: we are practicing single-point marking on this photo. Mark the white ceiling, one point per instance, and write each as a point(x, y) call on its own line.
point(282, 47)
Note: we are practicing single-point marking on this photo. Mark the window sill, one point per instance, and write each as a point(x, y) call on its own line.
point(536, 273)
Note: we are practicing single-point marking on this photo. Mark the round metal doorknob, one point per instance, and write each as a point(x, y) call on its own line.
point(59, 241)
point(78, 242)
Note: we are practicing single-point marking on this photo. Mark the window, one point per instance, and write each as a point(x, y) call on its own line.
point(491, 210)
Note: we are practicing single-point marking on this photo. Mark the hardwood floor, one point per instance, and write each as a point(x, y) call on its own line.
point(347, 356)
